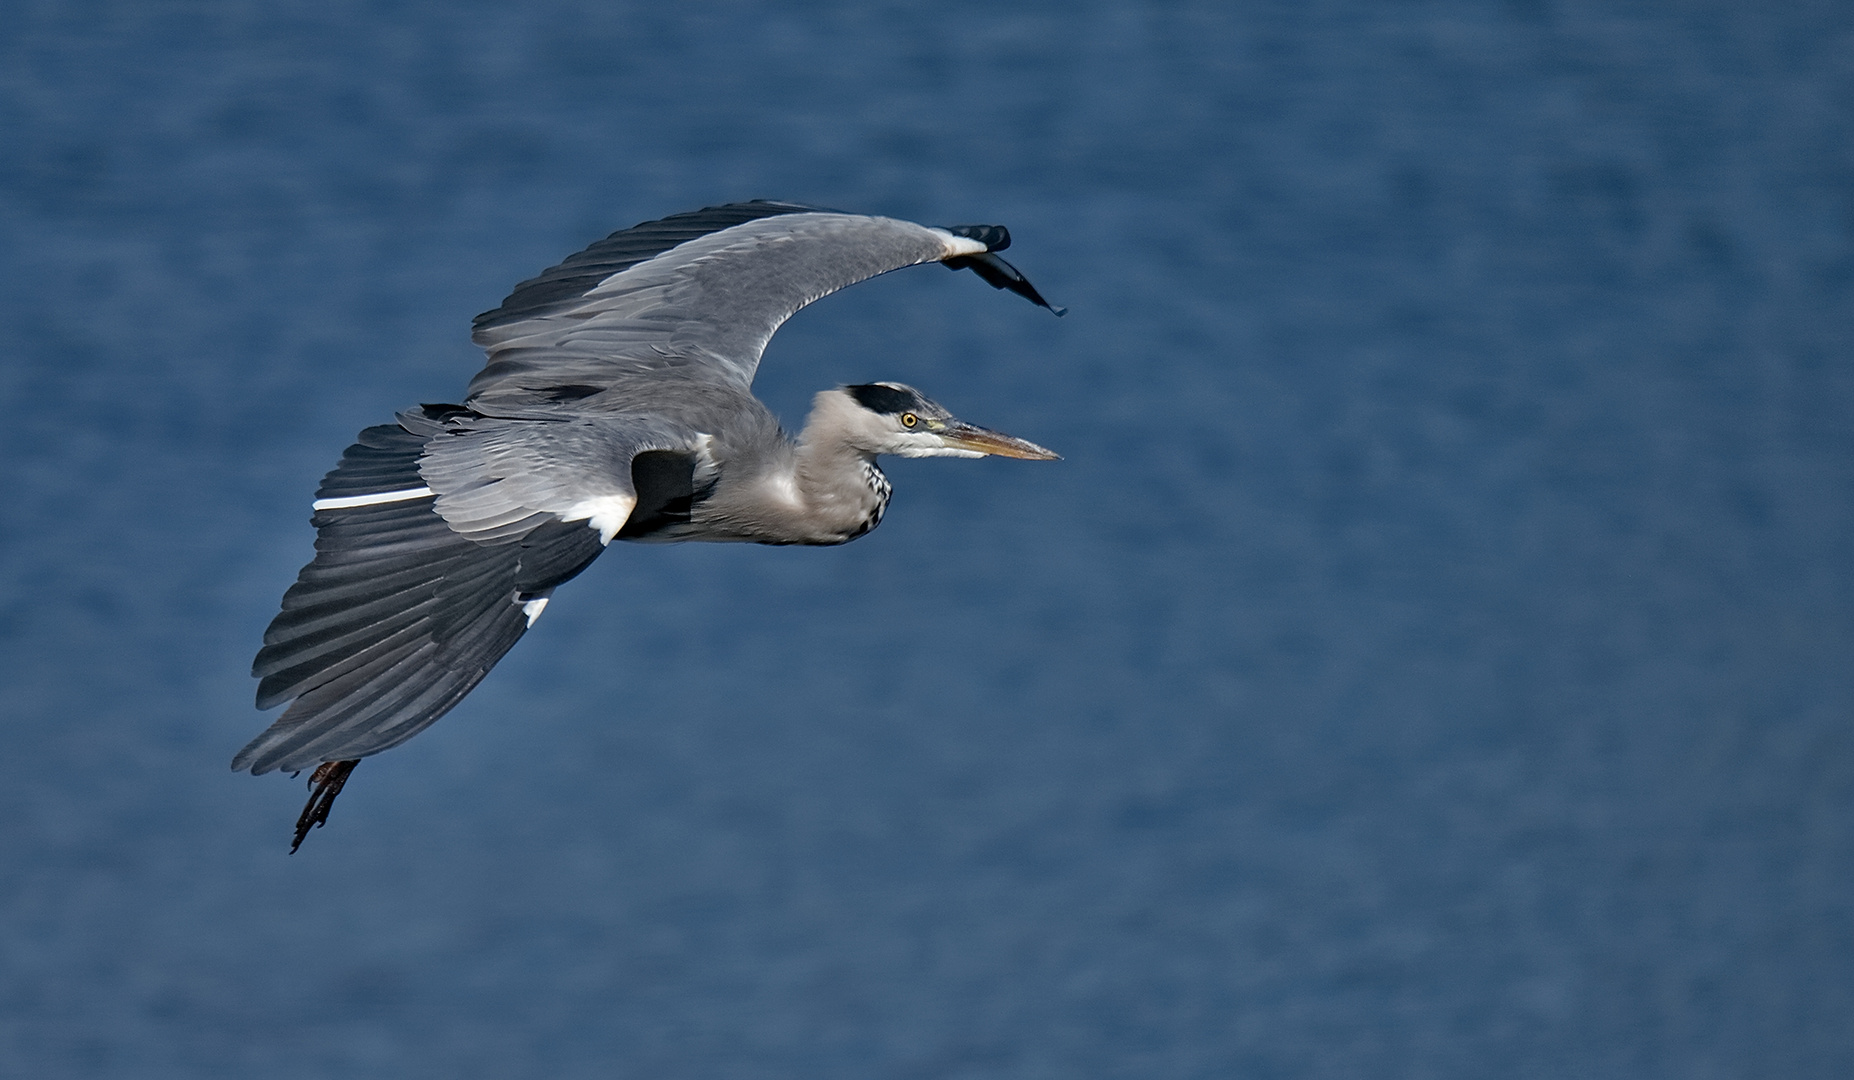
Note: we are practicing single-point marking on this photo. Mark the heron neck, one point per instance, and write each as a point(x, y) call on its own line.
point(840, 486)
point(827, 452)
point(828, 470)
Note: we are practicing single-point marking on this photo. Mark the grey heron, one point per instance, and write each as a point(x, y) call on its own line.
point(617, 404)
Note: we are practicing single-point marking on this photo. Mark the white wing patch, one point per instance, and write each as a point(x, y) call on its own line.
point(959, 245)
point(705, 453)
point(348, 502)
point(606, 513)
point(533, 608)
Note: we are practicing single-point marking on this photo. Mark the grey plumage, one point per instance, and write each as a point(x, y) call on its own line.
point(616, 404)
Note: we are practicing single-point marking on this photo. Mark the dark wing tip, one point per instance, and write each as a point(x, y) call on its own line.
point(1002, 275)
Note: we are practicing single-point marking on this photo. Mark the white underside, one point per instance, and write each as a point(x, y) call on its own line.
point(533, 608)
point(348, 502)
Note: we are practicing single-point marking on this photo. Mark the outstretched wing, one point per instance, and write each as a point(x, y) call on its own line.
point(692, 300)
point(401, 614)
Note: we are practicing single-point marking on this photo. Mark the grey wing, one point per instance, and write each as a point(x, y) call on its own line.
point(693, 299)
point(498, 479)
point(400, 615)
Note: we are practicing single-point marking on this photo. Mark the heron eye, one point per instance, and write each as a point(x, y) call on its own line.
point(908, 419)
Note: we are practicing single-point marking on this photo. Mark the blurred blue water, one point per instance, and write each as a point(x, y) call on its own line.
point(1432, 658)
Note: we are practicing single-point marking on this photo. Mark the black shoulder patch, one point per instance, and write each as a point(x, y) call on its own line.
point(665, 485)
point(622, 250)
point(877, 397)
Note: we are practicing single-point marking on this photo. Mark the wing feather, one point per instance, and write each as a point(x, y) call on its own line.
point(398, 616)
point(698, 308)
point(559, 286)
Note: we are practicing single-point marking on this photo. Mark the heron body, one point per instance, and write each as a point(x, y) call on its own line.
point(617, 404)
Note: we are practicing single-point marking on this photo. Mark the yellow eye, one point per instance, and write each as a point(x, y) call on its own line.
point(908, 419)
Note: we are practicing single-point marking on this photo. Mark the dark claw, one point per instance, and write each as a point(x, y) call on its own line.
point(325, 783)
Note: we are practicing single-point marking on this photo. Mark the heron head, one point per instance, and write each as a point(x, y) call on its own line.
point(889, 418)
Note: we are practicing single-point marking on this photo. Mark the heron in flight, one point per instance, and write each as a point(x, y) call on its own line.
point(617, 404)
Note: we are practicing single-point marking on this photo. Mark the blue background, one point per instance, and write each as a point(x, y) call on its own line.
point(1432, 658)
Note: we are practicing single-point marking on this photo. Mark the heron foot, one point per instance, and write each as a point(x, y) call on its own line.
point(325, 783)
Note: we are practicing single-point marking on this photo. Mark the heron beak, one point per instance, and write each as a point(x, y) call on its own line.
point(963, 436)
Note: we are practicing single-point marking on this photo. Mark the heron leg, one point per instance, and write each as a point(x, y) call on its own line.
point(325, 783)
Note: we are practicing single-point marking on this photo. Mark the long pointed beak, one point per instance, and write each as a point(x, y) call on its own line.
point(964, 436)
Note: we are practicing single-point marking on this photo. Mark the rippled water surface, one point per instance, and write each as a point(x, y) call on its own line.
point(1432, 658)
